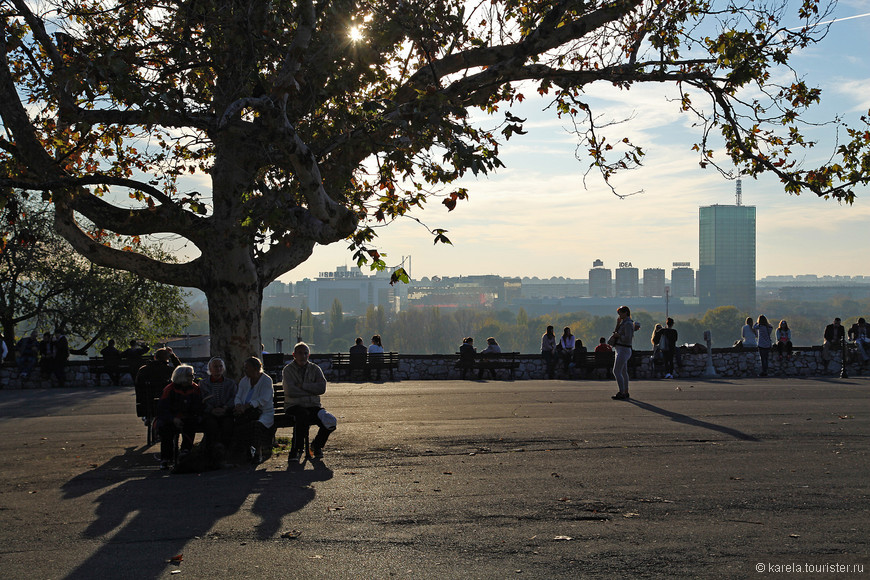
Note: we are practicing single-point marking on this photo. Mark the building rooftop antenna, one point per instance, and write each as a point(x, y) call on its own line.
point(739, 192)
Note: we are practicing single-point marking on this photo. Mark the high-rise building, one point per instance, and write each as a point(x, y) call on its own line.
point(682, 280)
point(653, 282)
point(726, 272)
point(600, 281)
point(627, 281)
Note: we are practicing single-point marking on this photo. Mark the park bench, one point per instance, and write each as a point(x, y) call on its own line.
point(364, 363)
point(489, 362)
point(273, 365)
point(98, 367)
point(282, 419)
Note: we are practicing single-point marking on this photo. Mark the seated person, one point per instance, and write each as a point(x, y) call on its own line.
point(304, 382)
point(783, 339)
point(466, 355)
point(152, 378)
point(860, 333)
point(834, 334)
point(112, 362)
point(27, 354)
point(179, 412)
point(492, 348)
point(358, 354)
point(218, 397)
point(254, 410)
point(566, 345)
point(603, 346)
point(376, 353)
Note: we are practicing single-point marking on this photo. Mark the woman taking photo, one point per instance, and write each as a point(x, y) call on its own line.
point(622, 336)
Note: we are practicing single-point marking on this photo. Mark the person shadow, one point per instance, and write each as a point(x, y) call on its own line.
point(286, 492)
point(687, 420)
point(145, 516)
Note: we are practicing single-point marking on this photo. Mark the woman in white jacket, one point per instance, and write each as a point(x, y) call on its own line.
point(254, 409)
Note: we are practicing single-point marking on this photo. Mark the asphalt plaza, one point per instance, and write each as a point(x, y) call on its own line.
point(458, 479)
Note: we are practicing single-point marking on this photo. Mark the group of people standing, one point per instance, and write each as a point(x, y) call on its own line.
point(234, 415)
point(761, 335)
point(51, 354)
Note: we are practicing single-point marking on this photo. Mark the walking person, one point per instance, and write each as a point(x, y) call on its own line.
point(763, 328)
point(622, 337)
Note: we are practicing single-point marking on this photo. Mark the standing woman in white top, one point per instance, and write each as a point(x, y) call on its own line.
point(750, 335)
point(376, 354)
point(254, 409)
point(567, 342)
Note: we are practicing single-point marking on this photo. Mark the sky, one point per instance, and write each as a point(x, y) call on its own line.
point(539, 217)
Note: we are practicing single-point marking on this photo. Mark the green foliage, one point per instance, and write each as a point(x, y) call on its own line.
point(45, 285)
point(309, 137)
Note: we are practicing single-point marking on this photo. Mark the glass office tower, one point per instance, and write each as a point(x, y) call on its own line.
point(726, 273)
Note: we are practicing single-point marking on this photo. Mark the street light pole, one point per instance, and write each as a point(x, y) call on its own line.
point(667, 301)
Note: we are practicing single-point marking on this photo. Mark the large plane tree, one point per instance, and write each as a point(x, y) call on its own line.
point(310, 122)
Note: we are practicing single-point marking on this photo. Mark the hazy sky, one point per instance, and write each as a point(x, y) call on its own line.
point(536, 217)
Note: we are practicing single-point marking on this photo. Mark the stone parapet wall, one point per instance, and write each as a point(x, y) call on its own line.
point(728, 363)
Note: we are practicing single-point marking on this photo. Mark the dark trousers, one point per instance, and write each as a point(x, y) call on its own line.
point(764, 353)
point(668, 356)
point(218, 429)
point(168, 432)
point(303, 418)
point(249, 432)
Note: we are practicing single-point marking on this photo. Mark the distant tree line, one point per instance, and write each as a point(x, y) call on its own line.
point(434, 331)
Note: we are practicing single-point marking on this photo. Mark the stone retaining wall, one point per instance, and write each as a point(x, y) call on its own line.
point(727, 363)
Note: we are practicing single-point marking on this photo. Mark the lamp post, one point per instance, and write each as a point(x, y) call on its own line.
point(667, 301)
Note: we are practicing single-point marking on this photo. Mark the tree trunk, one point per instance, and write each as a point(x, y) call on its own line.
point(235, 295)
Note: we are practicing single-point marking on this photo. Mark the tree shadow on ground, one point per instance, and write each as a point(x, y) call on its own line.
point(687, 420)
point(145, 516)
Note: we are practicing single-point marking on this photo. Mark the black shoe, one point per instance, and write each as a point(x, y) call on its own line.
point(619, 397)
point(317, 452)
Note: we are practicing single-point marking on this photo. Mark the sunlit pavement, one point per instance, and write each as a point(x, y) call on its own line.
point(449, 479)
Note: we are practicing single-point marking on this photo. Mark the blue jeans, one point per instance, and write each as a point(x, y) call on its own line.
point(620, 367)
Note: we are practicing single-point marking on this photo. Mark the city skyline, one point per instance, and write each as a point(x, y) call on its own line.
point(536, 218)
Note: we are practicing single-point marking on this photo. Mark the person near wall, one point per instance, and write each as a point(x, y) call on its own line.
point(834, 335)
point(60, 348)
point(783, 340)
point(548, 351)
point(567, 343)
point(764, 329)
point(492, 349)
point(668, 339)
point(621, 340)
point(27, 354)
point(860, 333)
point(376, 354)
point(467, 353)
point(112, 361)
point(749, 334)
